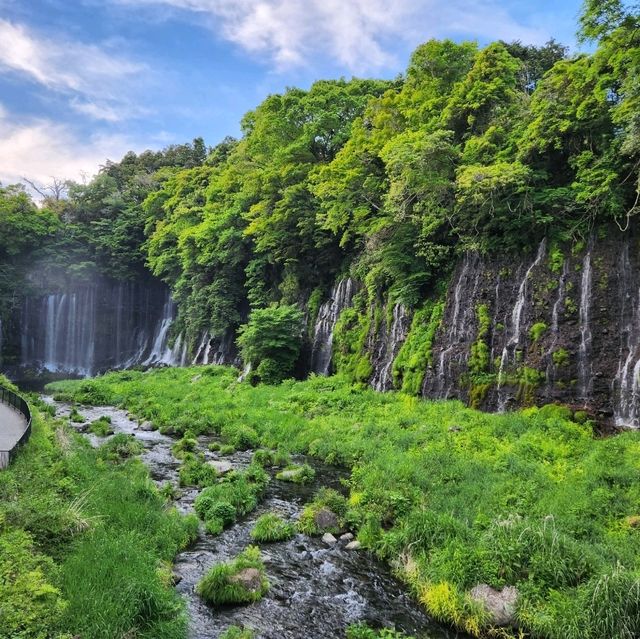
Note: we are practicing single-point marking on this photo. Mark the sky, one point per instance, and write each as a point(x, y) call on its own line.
point(82, 81)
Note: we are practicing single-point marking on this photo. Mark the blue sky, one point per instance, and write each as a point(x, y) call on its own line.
point(86, 80)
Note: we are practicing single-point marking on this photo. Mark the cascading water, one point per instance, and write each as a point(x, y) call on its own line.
point(328, 314)
point(454, 329)
point(515, 329)
point(585, 377)
point(555, 318)
point(626, 385)
point(161, 352)
point(459, 320)
point(92, 328)
point(70, 337)
point(382, 379)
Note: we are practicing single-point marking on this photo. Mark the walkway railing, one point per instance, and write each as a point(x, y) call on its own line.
point(16, 402)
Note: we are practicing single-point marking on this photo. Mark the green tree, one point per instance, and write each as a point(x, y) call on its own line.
point(271, 342)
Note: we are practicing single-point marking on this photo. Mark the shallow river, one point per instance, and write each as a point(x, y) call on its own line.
point(316, 590)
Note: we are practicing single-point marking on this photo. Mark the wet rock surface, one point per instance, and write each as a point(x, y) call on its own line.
point(316, 590)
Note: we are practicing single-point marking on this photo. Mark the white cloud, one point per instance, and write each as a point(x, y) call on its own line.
point(96, 79)
point(42, 149)
point(358, 34)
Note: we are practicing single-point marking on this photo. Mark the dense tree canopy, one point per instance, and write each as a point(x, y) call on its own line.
point(486, 148)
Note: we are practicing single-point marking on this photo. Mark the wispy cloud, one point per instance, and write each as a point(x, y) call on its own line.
point(41, 149)
point(357, 34)
point(95, 79)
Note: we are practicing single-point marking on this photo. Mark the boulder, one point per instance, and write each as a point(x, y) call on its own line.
point(249, 578)
point(501, 604)
point(222, 467)
point(325, 519)
point(346, 537)
point(146, 426)
point(353, 545)
point(328, 538)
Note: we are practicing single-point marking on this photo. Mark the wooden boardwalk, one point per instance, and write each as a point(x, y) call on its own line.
point(12, 427)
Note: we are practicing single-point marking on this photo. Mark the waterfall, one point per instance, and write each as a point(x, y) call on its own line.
point(453, 330)
point(515, 329)
point(459, 322)
point(70, 337)
point(341, 297)
point(93, 328)
point(201, 356)
point(626, 385)
point(160, 352)
point(382, 379)
point(555, 318)
point(584, 352)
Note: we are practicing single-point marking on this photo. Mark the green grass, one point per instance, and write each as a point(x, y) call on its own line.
point(83, 534)
point(303, 474)
point(101, 427)
point(221, 503)
point(219, 588)
point(529, 499)
point(271, 527)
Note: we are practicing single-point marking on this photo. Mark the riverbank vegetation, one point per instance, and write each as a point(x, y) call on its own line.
point(86, 543)
point(449, 496)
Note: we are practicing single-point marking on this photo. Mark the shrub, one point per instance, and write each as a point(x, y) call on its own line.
point(265, 457)
point(271, 341)
point(120, 447)
point(271, 527)
point(297, 474)
point(326, 498)
point(195, 471)
point(187, 444)
point(219, 587)
point(240, 437)
point(101, 427)
point(76, 417)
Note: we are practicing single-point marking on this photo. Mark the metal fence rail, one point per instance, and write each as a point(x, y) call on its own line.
point(15, 401)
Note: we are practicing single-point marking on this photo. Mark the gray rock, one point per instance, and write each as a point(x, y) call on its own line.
point(221, 467)
point(501, 604)
point(325, 519)
point(146, 426)
point(353, 545)
point(249, 578)
point(346, 537)
point(328, 538)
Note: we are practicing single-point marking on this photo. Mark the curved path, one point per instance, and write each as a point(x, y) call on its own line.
point(12, 427)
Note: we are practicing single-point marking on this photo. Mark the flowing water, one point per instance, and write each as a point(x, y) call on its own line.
point(341, 297)
point(554, 328)
point(316, 590)
point(515, 327)
point(585, 377)
point(626, 385)
point(390, 346)
point(99, 326)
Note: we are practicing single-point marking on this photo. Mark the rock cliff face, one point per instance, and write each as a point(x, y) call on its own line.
point(555, 325)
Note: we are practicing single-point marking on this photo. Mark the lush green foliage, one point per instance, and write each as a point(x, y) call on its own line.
point(219, 588)
point(486, 148)
point(271, 527)
point(528, 499)
point(237, 494)
point(81, 544)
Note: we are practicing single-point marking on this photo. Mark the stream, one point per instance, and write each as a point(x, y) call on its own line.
point(316, 590)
